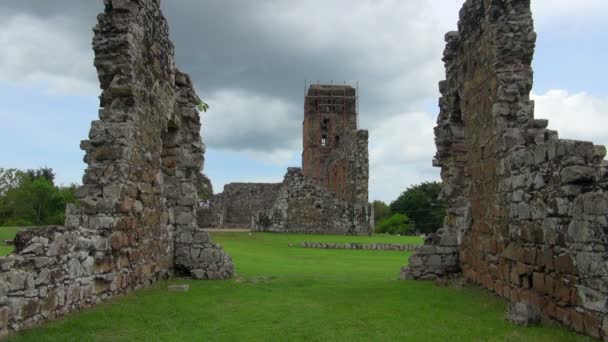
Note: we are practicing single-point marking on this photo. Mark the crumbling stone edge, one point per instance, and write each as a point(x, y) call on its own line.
point(134, 221)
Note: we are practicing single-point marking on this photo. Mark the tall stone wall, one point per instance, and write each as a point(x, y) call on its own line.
point(528, 212)
point(348, 168)
point(237, 206)
point(134, 222)
point(303, 206)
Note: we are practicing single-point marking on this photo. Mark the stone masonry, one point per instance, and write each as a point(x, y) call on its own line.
point(236, 206)
point(134, 222)
point(304, 206)
point(347, 168)
point(528, 212)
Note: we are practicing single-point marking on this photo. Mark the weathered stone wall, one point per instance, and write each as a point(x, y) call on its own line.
point(528, 212)
point(348, 168)
point(237, 206)
point(138, 193)
point(183, 152)
point(303, 206)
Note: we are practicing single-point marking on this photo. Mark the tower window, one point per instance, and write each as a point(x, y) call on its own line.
point(325, 124)
point(324, 140)
point(337, 140)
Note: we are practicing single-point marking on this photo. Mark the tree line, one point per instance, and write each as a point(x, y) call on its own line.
point(417, 210)
point(31, 197)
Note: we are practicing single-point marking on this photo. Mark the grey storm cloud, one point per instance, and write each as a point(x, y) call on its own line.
point(267, 50)
point(249, 60)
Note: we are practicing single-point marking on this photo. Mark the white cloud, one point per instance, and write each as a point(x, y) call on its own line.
point(567, 8)
point(266, 129)
point(403, 138)
point(401, 152)
point(45, 52)
point(578, 116)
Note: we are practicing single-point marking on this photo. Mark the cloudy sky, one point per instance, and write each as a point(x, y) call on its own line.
point(250, 60)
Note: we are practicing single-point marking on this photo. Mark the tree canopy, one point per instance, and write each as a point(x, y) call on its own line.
point(381, 211)
point(421, 204)
point(31, 198)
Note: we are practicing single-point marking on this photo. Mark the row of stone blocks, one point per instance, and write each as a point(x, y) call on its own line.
point(371, 246)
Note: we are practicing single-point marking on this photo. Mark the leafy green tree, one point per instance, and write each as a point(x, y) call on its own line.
point(422, 205)
point(395, 224)
point(204, 187)
point(35, 200)
point(381, 210)
point(9, 179)
point(43, 172)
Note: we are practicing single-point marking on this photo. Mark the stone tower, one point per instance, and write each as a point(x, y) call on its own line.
point(330, 114)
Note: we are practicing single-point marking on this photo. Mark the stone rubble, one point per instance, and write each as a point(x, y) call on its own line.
point(304, 206)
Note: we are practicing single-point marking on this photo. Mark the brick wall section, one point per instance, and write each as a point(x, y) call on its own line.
point(303, 206)
point(528, 212)
point(348, 168)
point(143, 156)
point(237, 205)
point(330, 111)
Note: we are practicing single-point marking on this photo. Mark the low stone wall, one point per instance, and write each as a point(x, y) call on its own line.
point(56, 270)
point(237, 205)
point(197, 257)
point(303, 206)
point(353, 245)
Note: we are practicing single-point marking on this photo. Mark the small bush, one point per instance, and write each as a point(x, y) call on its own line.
point(395, 224)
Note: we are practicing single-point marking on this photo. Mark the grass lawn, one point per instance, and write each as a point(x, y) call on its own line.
point(7, 233)
point(295, 294)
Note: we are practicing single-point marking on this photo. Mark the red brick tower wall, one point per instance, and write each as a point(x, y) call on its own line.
point(330, 111)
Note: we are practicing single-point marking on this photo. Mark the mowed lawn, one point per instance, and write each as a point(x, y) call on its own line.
point(294, 294)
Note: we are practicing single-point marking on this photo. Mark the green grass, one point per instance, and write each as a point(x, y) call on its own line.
point(378, 238)
point(7, 233)
point(298, 294)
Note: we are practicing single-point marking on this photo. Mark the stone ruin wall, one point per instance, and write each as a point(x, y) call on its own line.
point(528, 212)
point(347, 168)
point(134, 222)
point(303, 206)
point(237, 205)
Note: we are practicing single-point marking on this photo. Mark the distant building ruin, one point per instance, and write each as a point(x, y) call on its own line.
point(328, 195)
